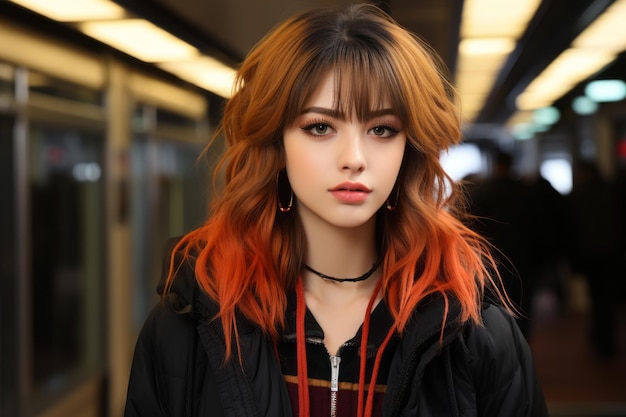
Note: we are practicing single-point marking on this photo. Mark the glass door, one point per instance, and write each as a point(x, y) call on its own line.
point(66, 294)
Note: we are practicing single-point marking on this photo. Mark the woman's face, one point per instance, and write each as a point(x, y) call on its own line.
point(342, 170)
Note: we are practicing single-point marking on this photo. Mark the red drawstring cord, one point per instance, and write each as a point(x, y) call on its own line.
point(369, 407)
point(303, 378)
point(303, 386)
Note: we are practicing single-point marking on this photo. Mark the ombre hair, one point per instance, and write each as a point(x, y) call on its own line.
point(248, 254)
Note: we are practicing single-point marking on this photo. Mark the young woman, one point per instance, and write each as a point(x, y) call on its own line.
point(334, 276)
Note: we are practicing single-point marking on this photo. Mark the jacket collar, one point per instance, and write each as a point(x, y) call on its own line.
point(381, 323)
point(426, 320)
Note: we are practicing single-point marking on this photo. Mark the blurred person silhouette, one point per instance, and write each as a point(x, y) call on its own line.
point(500, 205)
point(597, 250)
point(334, 276)
point(547, 238)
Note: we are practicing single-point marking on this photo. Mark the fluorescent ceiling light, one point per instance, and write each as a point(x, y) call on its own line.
point(487, 18)
point(574, 65)
point(474, 82)
point(489, 32)
point(482, 64)
point(473, 105)
point(523, 131)
point(607, 32)
point(602, 91)
point(529, 101)
point(141, 39)
point(546, 115)
point(486, 46)
point(205, 72)
point(596, 47)
point(583, 105)
point(568, 69)
point(74, 10)
point(519, 117)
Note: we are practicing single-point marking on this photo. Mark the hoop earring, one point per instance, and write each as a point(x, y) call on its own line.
point(391, 206)
point(284, 188)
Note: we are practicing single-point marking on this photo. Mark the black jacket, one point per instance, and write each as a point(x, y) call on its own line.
point(179, 370)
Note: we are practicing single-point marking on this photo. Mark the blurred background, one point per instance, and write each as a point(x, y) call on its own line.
point(106, 105)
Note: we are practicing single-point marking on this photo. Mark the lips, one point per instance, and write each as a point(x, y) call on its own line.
point(351, 187)
point(351, 193)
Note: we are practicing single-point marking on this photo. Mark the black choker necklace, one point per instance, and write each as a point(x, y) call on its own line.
point(357, 279)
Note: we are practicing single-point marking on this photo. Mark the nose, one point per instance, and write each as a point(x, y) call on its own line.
point(351, 152)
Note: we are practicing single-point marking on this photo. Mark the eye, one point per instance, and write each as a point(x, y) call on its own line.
point(317, 128)
point(383, 131)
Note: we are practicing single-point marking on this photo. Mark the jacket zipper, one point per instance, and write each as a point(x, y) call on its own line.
point(335, 360)
point(334, 384)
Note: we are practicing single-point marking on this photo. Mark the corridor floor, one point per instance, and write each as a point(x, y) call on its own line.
point(575, 381)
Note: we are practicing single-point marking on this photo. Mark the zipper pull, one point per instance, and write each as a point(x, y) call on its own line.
point(334, 384)
point(334, 374)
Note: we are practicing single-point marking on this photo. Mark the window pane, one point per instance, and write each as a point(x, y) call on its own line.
point(8, 274)
point(169, 197)
point(66, 255)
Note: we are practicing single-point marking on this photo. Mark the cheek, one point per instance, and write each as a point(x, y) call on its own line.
point(301, 154)
point(300, 163)
point(295, 158)
point(395, 160)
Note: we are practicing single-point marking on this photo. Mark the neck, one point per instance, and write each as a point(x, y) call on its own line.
point(341, 253)
point(320, 292)
point(343, 257)
point(360, 278)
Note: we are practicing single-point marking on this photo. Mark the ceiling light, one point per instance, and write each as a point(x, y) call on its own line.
point(479, 64)
point(583, 105)
point(564, 73)
point(602, 91)
point(487, 18)
point(574, 65)
point(486, 46)
point(74, 10)
point(529, 101)
point(546, 116)
point(205, 72)
point(607, 32)
point(523, 131)
point(596, 47)
point(141, 39)
point(489, 33)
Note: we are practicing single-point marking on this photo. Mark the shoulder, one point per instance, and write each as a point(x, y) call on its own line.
point(498, 329)
point(501, 366)
point(167, 337)
point(163, 355)
point(495, 348)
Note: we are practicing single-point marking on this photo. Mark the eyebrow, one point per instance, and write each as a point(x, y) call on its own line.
point(337, 114)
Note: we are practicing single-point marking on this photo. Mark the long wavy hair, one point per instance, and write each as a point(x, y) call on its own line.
point(248, 254)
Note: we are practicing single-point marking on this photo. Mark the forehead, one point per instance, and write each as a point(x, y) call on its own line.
point(324, 93)
point(349, 95)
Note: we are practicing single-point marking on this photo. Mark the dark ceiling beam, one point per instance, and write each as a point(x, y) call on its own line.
point(456, 18)
point(555, 25)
